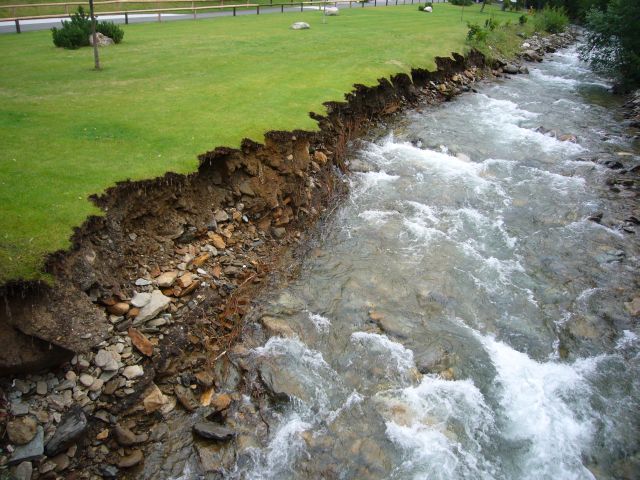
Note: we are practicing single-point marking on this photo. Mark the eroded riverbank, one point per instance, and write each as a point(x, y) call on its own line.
point(153, 294)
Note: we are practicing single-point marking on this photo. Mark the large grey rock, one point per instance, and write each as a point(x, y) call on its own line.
point(157, 303)
point(300, 26)
point(71, 428)
point(31, 451)
point(102, 40)
point(511, 69)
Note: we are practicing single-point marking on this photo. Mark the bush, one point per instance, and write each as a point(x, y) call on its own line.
point(551, 19)
point(111, 30)
point(461, 3)
point(75, 32)
point(522, 19)
point(422, 7)
point(491, 24)
point(476, 32)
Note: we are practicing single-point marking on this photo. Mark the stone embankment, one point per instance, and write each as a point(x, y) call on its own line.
point(138, 371)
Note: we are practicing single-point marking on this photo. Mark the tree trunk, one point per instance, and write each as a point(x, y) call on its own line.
point(96, 58)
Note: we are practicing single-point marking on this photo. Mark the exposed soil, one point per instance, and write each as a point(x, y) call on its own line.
point(219, 235)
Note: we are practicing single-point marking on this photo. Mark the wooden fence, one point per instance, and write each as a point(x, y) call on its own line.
point(192, 8)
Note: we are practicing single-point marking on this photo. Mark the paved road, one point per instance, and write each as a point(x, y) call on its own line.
point(45, 24)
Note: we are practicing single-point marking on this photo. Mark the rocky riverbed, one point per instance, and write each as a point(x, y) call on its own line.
point(167, 279)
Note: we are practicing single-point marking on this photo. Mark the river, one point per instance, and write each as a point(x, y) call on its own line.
point(462, 315)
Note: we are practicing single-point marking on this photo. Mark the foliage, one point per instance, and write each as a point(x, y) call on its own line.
point(75, 33)
point(422, 7)
point(461, 3)
point(551, 19)
point(612, 42)
point(522, 19)
point(476, 32)
point(111, 30)
point(491, 24)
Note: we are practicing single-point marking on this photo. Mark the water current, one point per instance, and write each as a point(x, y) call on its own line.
point(461, 317)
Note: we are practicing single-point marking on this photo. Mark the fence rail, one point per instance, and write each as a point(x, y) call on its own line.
point(193, 9)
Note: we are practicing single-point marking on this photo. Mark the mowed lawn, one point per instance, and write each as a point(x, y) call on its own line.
point(173, 90)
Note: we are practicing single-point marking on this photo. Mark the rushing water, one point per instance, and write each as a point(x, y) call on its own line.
point(462, 318)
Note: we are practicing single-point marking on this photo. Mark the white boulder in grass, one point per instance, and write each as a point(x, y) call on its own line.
point(428, 9)
point(300, 26)
point(331, 11)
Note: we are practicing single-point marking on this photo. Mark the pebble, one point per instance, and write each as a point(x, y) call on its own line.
point(128, 461)
point(133, 371)
point(86, 379)
point(23, 471)
point(107, 360)
point(127, 438)
point(42, 388)
point(142, 282)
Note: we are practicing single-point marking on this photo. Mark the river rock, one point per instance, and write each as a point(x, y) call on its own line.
point(220, 402)
point(107, 360)
point(131, 460)
point(127, 438)
point(157, 303)
point(300, 26)
point(221, 216)
point(155, 399)
point(277, 327)
point(23, 471)
point(140, 341)
point(61, 462)
point(511, 69)
point(21, 430)
point(42, 388)
point(139, 300)
point(166, 280)
point(186, 398)
point(119, 309)
point(633, 307)
point(31, 451)
point(133, 371)
point(532, 55)
point(71, 428)
point(213, 431)
point(86, 379)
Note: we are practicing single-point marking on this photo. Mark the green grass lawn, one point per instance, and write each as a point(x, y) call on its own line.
point(171, 91)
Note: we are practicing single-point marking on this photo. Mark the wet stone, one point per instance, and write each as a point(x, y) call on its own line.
point(31, 451)
point(131, 460)
point(213, 431)
point(71, 428)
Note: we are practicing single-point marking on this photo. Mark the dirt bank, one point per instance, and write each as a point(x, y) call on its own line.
point(148, 303)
